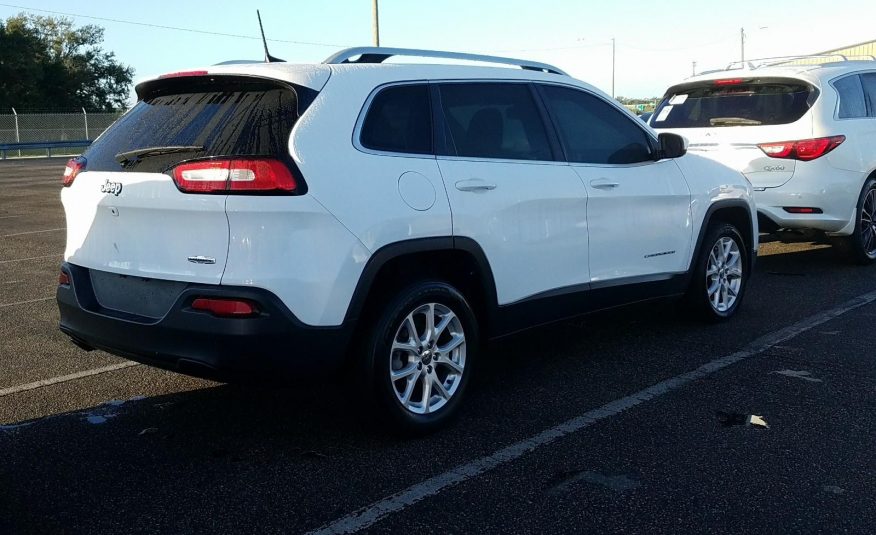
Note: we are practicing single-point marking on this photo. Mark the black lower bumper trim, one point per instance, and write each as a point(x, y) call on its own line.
point(272, 344)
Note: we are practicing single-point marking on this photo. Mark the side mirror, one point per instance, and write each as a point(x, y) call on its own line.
point(671, 145)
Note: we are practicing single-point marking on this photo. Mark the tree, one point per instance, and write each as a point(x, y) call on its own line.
point(46, 62)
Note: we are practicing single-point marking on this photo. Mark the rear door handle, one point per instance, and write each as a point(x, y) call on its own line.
point(603, 184)
point(474, 184)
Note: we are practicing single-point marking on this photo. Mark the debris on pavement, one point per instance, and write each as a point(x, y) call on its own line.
point(729, 419)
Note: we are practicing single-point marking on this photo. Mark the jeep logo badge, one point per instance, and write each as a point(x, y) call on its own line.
point(111, 187)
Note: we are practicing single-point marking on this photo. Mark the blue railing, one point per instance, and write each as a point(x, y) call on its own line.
point(47, 145)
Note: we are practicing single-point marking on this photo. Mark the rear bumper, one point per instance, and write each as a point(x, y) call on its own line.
point(815, 184)
point(272, 344)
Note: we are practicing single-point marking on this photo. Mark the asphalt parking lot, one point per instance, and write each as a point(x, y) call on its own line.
point(625, 421)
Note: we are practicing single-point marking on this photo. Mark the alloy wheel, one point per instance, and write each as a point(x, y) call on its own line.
point(868, 224)
point(724, 274)
point(427, 359)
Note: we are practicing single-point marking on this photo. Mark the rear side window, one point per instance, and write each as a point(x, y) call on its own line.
point(592, 131)
point(851, 97)
point(494, 120)
point(869, 83)
point(399, 120)
point(220, 116)
point(734, 102)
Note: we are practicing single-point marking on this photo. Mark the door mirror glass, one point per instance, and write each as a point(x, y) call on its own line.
point(671, 146)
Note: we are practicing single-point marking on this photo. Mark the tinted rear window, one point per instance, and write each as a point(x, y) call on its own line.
point(225, 116)
point(744, 103)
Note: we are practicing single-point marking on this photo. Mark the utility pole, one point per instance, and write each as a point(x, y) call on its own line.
point(612, 66)
point(693, 68)
point(741, 42)
point(375, 25)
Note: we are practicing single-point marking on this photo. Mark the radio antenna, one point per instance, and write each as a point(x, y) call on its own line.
point(268, 57)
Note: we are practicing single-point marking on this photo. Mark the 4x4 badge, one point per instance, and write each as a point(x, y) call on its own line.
point(111, 187)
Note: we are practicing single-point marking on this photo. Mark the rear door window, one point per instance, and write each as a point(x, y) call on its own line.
point(211, 116)
point(399, 120)
point(734, 102)
point(851, 97)
point(869, 82)
point(592, 131)
point(494, 120)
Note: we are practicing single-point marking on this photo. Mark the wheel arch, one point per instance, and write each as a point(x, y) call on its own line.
point(737, 212)
point(458, 261)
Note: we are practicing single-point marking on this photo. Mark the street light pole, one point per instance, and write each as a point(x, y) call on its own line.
point(741, 42)
point(375, 24)
point(612, 66)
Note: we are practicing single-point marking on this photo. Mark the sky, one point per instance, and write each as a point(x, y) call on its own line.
point(656, 42)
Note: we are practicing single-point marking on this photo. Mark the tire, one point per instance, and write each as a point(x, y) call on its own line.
point(860, 247)
point(720, 274)
point(435, 367)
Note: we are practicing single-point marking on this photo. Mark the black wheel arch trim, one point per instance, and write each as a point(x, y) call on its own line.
point(389, 252)
point(707, 220)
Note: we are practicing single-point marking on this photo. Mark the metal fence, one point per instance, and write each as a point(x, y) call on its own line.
point(44, 127)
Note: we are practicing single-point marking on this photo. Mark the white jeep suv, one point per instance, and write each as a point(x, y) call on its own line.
point(803, 134)
point(383, 219)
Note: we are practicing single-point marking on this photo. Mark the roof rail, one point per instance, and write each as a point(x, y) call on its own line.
point(368, 54)
point(784, 60)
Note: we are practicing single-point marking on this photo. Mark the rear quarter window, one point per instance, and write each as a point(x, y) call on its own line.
point(399, 120)
point(851, 97)
point(734, 103)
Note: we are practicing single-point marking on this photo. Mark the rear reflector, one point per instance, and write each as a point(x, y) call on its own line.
point(226, 308)
point(238, 175)
point(802, 210)
point(182, 73)
point(63, 279)
point(74, 167)
point(804, 149)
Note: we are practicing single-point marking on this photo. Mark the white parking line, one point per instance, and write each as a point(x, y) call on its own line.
point(30, 258)
point(65, 378)
point(3, 305)
point(9, 216)
point(33, 232)
point(375, 512)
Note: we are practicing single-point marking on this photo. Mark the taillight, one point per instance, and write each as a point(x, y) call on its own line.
point(237, 175)
point(226, 308)
point(74, 167)
point(804, 149)
point(63, 279)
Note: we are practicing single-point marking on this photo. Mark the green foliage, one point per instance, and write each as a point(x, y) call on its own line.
point(47, 62)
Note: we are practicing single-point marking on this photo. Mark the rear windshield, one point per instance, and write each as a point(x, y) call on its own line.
point(205, 116)
point(734, 103)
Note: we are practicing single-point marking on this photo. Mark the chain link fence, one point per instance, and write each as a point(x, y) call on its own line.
point(18, 127)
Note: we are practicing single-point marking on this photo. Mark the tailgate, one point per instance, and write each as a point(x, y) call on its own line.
point(148, 228)
point(149, 200)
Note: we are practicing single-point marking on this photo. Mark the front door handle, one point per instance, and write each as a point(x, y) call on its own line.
point(474, 184)
point(603, 183)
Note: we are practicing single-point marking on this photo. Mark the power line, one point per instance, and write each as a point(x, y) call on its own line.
point(175, 28)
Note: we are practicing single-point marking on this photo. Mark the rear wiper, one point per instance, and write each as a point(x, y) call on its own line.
point(731, 121)
point(138, 154)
